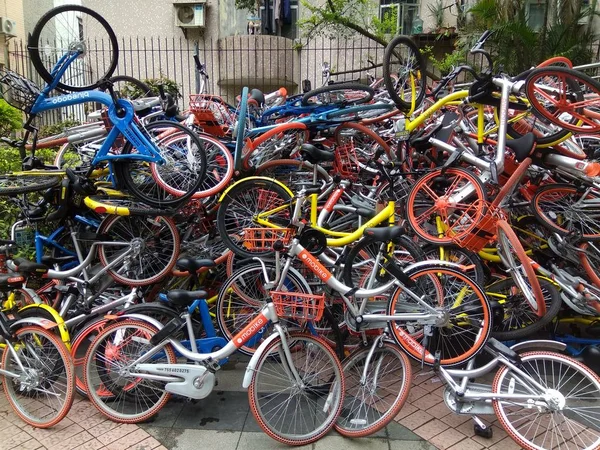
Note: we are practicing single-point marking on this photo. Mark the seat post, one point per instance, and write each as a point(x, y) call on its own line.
point(315, 172)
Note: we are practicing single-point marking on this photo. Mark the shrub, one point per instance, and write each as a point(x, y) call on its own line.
point(10, 119)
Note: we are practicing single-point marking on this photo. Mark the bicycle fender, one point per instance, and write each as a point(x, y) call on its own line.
point(254, 360)
point(538, 345)
point(432, 263)
point(271, 180)
point(143, 318)
point(58, 321)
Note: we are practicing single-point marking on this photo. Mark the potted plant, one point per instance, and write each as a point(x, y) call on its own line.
point(437, 13)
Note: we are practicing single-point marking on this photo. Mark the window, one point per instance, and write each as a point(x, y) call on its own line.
point(536, 10)
point(586, 13)
point(289, 18)
point(404, 11)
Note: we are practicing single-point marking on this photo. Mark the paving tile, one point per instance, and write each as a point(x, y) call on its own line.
point(128, 440)
point(416, 420)
point(167, 416)
point(505, 444)
point(415, 394)
point(411, 445)
point(15, 439)
point(398, 432)
point(82, 410)
point(466, 444)
point(117, 433)
point(92, 421)
point(439, 410)
point(195, 439)
point(431, 429)
point(426, 402)
point(407, 410)
point(227, 411)
point(337, 442)
point(92, 444)
point(447, 439)
point(56, 439)
point(80, 439)
point(41, 434)
point(260, 441)
point(147, 444)
point(454, 420)
point(31, 444)
point(102, 428)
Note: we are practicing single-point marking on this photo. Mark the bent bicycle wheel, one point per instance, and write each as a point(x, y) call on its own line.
point(71, 29)
point(23, 183)
point(404, 73)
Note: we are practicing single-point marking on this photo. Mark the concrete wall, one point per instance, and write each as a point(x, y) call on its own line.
point(12, 9)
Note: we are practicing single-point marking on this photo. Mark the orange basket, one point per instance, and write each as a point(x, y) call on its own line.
point(293, 305)
point(345, 162)
point(212, 114)
point(262, 239)
point(485, 231)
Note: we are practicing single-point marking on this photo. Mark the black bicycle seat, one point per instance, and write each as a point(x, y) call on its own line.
point(193, 265)
point(31, 267)
point(315, 155)
point(180, 297)
point(385, 233)
point(522, 146)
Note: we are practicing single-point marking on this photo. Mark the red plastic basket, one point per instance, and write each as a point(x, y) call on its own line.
point(346, 162)
point(262, 239)
point(212, 114)
point(485, 231)
point(297, 306)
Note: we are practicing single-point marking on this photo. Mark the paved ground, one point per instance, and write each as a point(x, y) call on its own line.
point(223, 422)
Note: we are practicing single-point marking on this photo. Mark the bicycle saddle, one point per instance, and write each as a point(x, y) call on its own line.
point(495, 346)
point(193, 265)
point(257, 96)
point(522, 146)
point(31, 267)
point(185, 298)
point(385, 233)
point(315, 155)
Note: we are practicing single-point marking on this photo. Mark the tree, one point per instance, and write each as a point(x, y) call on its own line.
point(10, 119)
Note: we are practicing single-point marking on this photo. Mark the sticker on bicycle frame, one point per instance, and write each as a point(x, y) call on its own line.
point(250, 330)
point(46, 324)
point(314, 265)
point(408, 339)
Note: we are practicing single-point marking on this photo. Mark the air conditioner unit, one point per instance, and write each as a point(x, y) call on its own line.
point(8, 27)
point(189, 15)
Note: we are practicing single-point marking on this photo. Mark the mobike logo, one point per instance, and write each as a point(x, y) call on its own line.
point(333, 200)
point(315, 265)
point(407, 339)
point(69, 97)
point(250, 330)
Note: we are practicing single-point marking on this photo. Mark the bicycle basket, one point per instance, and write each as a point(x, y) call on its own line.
point(17, 90)
point(293, 305)
point(262, 239)
point(212, 114)
point(345, 162)
point(485, 231)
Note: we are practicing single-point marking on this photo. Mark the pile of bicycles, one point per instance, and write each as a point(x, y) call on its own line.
point(331, 236)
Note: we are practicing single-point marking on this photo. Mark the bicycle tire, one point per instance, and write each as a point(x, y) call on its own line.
point(574, 84)
point(219, 167)
point(94, 374)
point(353, 130)
point(359, 87)
point(572, 220)
point(149, 182)
point(329, 396)
point(471, 335)
point(285, 170)
point(281, 142)
point(459, 255)
point(365, 411)
point(364, 112)
point(525, 279)
point(255, 196)
point(60, 360)
point(22, 183)
point(591, 267)
point(162, 242)
point(525, 323)
point(558, 374)
point(145, 89)
point(392, 80)
point(35, 48)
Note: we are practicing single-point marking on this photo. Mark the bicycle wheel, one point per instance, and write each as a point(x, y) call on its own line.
point(293, 413)
point(566, 416)
point(404, 73)
point(219, 167)
point(590, 261)
point(364, 140)
point(79, 347)
point(557, 94)
point(443, 206)
point(68, 29)
point(131, 88)
point(566, 209)
point(240, 207)
point(133, 399)
point(175, 181)
point(76, 155)
point(244, 294)
point(42, 394)
point(371, 403)
point(281, 142)
point(518, 264)
point(458, 255)
point(365, 263)
point(21, 183)
point(291, 171)
point(155, 243)
point(518, 321)
point(342, 94)
point(467, 316)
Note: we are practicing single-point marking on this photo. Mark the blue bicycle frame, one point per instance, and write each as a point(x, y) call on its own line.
point(126, 125)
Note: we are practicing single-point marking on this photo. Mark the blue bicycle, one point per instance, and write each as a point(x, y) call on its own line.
point(156, 163)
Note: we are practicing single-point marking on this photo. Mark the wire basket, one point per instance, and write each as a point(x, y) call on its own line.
point(17, 90)
point(485, 231)
point(262, 239)
point(345, 162)
point(212, 114)
point(293, 305)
